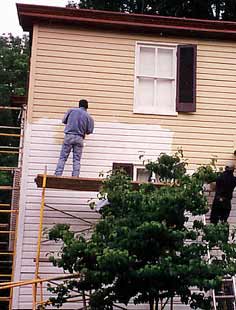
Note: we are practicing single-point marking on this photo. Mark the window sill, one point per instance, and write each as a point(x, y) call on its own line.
point(141, 111)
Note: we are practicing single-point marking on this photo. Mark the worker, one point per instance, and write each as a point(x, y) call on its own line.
point(78, 124)
point(225, 184)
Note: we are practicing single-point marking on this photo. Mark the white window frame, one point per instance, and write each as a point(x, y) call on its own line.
point(154, 110)
point(135, 172)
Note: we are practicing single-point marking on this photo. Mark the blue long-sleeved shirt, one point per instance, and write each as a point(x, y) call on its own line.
point(78, 122)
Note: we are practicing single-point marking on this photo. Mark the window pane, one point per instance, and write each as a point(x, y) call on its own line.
point(142, 175)
point(165, 102)
point(128, 168)
point(147, 61)
point(165, 62)
point(145, 92)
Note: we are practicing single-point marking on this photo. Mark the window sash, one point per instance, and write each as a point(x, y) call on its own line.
point(154, 108)
point(156, 74)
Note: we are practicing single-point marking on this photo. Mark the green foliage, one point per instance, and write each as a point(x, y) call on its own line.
point(14, 54)
point(14, 57)
point(229, 10)
point(168, 168)
point(207, 173)
point(145, 248)
point(5, 178)
point(210, 9)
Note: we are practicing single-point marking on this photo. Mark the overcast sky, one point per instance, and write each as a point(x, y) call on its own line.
point(8, 13)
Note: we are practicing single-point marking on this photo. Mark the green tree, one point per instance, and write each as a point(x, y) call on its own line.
point(210, 9)
point(14, 64)
point(14, 59)
point(145, 247)
point(229, 12)
point(14, 55)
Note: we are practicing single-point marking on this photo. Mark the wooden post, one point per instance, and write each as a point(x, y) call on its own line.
point(39, 238)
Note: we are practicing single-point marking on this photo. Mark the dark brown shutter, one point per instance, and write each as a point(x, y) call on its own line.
point(186, 78)
point(128, 168)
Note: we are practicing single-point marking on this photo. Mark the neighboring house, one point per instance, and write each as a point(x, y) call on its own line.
point(153, 83)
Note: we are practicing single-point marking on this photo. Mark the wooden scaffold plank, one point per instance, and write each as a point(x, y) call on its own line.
point(78, 184)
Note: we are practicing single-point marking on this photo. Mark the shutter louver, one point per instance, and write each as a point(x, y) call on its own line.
point(186, 78)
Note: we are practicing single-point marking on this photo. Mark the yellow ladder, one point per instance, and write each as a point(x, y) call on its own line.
point(9, 194)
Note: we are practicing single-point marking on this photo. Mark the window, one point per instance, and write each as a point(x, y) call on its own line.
point(165, 78)
point(128, 168)
point(141, 174)
point(136, 172)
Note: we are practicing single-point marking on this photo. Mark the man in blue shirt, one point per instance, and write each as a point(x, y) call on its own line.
point(78, 124)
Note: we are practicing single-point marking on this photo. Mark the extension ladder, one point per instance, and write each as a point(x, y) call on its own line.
point(225, 299)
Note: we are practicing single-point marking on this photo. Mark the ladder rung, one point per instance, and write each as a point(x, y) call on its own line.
point(225, 297)
point(10, 134)
point(10, 147)
point(8, 168)
point(5, 205)
point(7, 275)
point(6, 253)
point(8, 188)
point(227, 280)
point(9, 127)
point(7, 231)
point(5, 225)
point(9, 152)
point(10, 108)
point(8, 211)
point(5, 298)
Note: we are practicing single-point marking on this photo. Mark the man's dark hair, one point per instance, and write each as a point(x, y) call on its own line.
point(83, 103)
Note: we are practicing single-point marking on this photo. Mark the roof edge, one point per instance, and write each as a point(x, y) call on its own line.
point(32, 14)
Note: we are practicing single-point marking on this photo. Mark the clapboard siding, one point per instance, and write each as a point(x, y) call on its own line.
point(56, 100)
point(71, 82)
point(70, 63)
point(183, 125)
point(118, 116)
point(124, 145)
point(127, 141)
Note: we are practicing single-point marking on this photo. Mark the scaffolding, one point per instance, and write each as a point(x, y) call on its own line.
point(88, 184)
point(11, 155)
point(79, 184)
point(37, 283)
point(45, 182)
point(67, 183)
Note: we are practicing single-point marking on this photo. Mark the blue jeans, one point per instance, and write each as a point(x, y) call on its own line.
point(71, 142)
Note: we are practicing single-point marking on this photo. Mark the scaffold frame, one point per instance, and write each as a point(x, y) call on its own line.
point(10, 208)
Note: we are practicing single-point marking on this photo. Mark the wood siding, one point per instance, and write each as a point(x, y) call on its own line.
point(69, 64)
point(100, 67)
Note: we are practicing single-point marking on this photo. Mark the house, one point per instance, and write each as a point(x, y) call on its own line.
point(153, 83)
